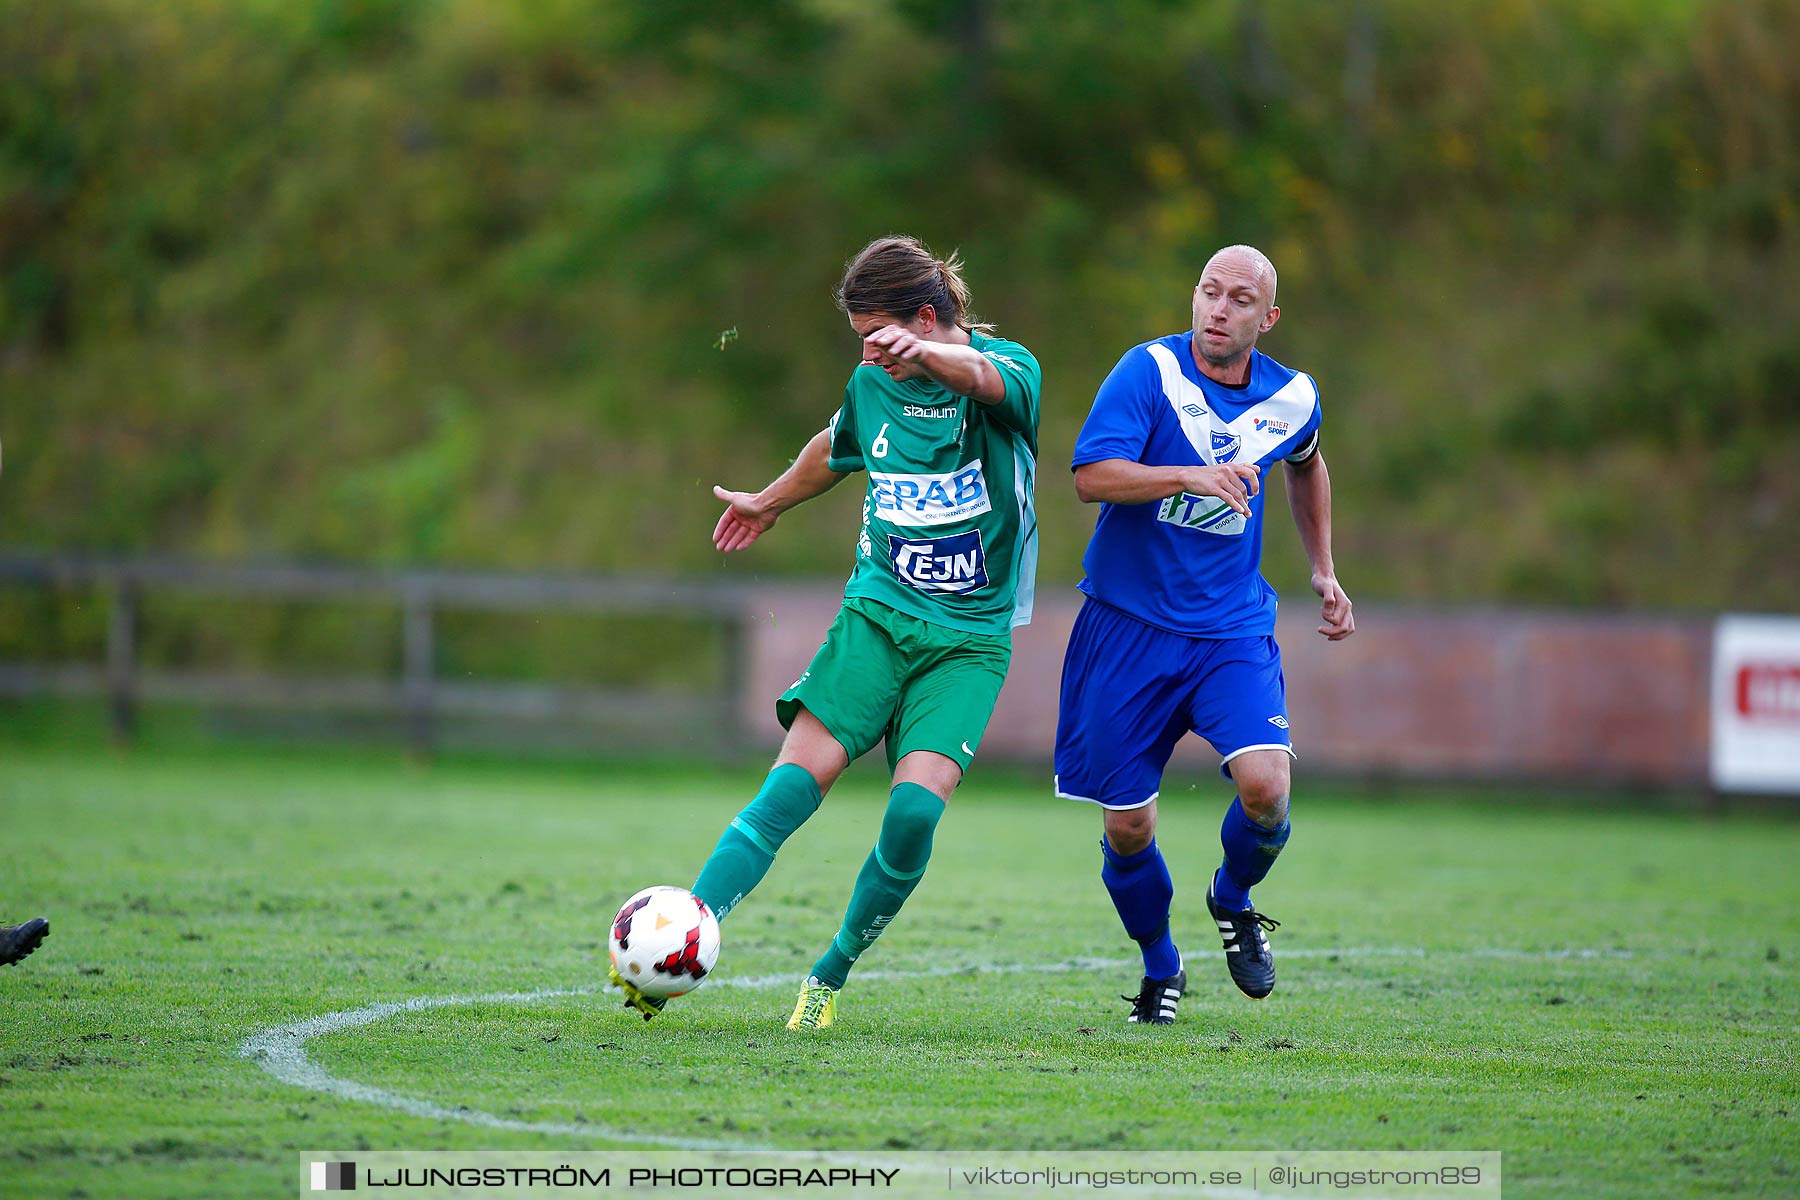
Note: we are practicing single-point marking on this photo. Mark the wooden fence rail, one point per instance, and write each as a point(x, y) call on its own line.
point(419, 696)
point(1537, 695)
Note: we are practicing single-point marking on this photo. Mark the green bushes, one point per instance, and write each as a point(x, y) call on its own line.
point(442, 280)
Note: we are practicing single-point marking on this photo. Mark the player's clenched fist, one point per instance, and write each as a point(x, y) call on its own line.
point(1334, 609)
point(893, 341)
point(890, 343)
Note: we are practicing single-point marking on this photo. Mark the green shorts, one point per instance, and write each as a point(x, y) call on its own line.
point(881, 674)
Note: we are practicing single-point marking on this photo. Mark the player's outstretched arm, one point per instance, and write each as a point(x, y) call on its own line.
point(1121, 481)
point(1309, 495)
point(748, 515)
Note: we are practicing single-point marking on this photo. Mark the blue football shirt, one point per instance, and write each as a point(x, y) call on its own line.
point(1190, 564)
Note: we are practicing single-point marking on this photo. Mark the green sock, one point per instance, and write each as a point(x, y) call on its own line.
point(788, 796)
point(889, 876)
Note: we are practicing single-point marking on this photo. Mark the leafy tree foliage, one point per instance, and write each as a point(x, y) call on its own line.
point(443, 280)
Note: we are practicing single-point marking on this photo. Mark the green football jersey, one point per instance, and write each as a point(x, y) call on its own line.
point(949, 533)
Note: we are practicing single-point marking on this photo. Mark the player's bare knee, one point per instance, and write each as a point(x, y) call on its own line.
point(1262, 784)
point(810, 746)
point(936, 773)
point(1265, 802)
point(821, 765)
point(1130, 830)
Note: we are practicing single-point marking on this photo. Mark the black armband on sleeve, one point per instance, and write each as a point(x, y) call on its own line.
point(1306, 452)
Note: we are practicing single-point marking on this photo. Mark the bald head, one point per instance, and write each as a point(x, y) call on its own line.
point(1249, 260)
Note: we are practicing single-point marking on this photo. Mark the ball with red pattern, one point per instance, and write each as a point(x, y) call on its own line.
point(665, 941)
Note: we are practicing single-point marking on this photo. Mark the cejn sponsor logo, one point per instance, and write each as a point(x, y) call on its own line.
point(956, 565)
point(930, 499)
point(1769, 692)
point(1208, 514)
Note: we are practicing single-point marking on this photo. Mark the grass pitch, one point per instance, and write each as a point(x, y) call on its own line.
point(1606, 995)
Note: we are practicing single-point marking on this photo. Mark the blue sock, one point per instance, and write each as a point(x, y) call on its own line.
point(1250, 850)
point(1142, 892)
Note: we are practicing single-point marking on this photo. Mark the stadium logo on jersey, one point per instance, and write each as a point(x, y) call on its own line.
point(1270, 425)
point(956, 564)
point(930, 499)
point(1208, 514)
point(1225, 445)
point(934, 414)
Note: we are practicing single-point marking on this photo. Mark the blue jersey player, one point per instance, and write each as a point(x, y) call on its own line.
point(1177, 632)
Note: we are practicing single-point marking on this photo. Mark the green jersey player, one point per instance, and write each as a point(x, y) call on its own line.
point(943, 417)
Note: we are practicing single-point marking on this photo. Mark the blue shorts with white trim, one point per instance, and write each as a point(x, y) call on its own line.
point(1130, 691)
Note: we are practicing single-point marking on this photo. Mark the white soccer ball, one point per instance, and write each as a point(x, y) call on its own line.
point(665, 941)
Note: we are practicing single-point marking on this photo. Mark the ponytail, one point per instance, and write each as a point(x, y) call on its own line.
point(898, 276)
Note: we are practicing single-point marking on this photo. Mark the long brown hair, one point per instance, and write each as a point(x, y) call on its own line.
point(898, 276)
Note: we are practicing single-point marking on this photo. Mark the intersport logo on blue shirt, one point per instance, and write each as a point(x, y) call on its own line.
point(956, 565)
point(930, 499)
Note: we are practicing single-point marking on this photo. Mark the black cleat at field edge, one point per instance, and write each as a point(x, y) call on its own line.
point(17, 941)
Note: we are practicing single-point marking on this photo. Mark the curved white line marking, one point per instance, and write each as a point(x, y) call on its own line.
point(281, 1049)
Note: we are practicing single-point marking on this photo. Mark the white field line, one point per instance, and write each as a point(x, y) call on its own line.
point(281, 1049)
